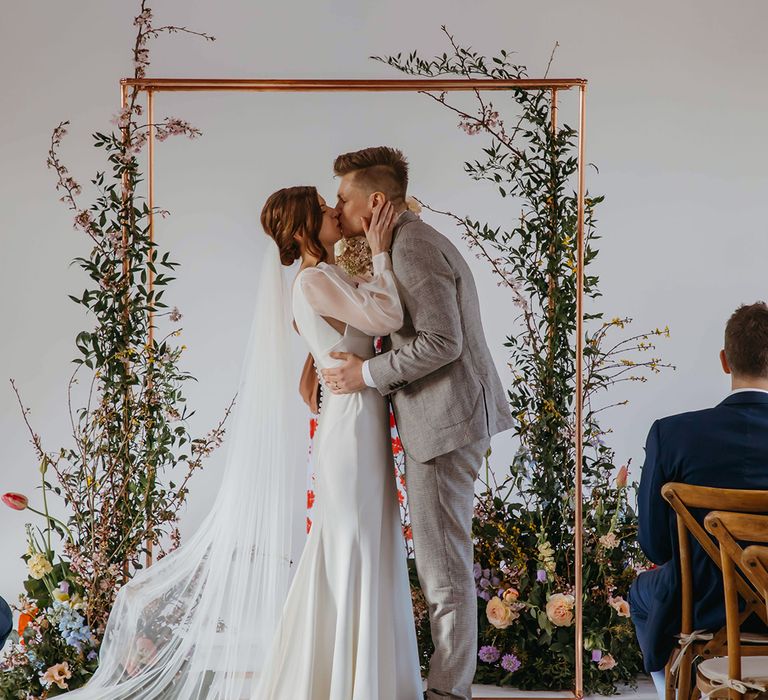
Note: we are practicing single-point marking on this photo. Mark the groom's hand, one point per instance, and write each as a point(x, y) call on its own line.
point(346, 378)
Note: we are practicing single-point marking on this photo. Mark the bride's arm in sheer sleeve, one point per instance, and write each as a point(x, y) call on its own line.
point(372, 306)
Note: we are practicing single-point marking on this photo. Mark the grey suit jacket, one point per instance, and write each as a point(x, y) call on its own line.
point(444, 387)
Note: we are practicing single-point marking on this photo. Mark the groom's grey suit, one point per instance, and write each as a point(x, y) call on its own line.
point(448, 401)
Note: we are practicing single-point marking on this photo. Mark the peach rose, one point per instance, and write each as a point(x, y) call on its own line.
point(560, 609)
point(499, 614)
point(621, 477)
point(620, 605)
point(510, 595)
point(606, 663)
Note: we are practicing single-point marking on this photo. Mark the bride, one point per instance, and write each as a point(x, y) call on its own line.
point(228, 615)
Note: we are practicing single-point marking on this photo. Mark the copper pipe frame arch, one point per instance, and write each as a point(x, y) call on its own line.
point(155, 85)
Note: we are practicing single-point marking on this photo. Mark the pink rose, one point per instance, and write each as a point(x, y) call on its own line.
point(606, 663)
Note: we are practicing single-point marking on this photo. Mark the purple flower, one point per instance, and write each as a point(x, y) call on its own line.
point(484, 595)
point(541, 575)
point(477, 570)
point(488, 654)
point(510, 662)
point(597, 654)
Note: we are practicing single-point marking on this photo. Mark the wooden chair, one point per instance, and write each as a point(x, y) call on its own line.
point(731, 529)
point(755, 558)
point(682, 498)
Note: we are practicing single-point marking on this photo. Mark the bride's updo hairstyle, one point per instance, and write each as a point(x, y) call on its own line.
point(290, 211)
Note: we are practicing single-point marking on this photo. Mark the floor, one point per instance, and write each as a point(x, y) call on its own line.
point(644, 691)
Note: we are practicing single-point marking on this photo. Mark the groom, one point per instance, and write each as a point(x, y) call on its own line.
point(447, 398)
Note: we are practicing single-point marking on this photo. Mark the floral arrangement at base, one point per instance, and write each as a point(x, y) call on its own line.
point(125, 475)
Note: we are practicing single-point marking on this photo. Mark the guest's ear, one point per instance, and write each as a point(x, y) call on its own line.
point(724, 362)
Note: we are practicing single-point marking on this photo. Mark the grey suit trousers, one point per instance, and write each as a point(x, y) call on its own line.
point(441, 501)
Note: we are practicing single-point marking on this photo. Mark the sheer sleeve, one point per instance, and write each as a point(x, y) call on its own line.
point(370, 305)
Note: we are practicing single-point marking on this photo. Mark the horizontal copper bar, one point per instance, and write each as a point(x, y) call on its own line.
point(399, 85)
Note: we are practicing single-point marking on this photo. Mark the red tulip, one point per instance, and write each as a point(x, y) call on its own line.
point(17, 501)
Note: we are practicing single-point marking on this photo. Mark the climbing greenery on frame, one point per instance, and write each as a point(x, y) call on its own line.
point(524, 521)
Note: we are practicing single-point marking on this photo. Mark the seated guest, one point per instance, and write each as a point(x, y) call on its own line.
point(6, 622)
point(725, 447)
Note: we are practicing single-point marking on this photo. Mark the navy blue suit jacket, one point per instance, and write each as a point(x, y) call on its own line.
point(725, 447)
point(6, 622)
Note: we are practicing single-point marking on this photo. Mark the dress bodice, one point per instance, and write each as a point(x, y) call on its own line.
point(322, 338)
point(369, 307)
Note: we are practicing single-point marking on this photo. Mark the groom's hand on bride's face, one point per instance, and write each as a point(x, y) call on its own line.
point(347, 378)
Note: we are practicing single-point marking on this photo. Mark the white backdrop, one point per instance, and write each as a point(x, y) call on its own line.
point(675, 121)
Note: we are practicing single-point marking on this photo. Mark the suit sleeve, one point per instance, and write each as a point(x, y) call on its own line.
point(653, 510)
point(372, 306)
point(428, 291)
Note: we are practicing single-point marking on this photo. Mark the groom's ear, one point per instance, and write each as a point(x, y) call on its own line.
point(377, 199)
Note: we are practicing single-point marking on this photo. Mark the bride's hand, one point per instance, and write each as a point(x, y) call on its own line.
point(379, 230)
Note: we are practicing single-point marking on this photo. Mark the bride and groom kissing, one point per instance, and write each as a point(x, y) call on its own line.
point(212, 620)
point(447, 398)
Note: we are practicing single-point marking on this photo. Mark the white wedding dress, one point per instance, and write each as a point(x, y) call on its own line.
point(347, 630)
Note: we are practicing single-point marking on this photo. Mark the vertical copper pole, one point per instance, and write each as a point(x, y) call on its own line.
point(554, 110)
point(124, 226)
point(150, 273)
point(578, 505)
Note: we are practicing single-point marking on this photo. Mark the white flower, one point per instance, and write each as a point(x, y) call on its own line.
point(339, 247)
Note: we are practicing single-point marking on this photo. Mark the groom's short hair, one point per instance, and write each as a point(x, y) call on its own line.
point(377, 169)
point(746, 340)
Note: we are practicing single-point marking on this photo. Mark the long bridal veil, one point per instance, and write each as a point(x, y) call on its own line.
point(198, 623)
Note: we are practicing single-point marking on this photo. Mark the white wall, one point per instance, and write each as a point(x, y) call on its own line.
point(675, 109)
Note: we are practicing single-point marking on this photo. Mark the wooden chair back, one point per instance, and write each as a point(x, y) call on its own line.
point(683, 498)
point(731, 529)
point(755, 558)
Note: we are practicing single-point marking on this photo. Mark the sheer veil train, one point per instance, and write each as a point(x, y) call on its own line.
point(197, 624)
